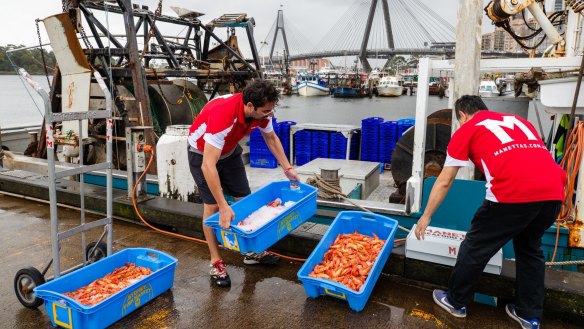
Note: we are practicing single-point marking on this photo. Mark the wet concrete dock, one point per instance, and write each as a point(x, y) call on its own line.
point(260, 297)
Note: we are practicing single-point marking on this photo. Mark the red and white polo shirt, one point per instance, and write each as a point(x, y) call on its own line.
point(508, 150)
point(222, 124)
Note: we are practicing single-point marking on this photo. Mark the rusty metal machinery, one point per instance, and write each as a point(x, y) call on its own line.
point(438, 133)
point(157, 80)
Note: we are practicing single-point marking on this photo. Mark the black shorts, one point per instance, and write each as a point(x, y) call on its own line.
point(231, 175)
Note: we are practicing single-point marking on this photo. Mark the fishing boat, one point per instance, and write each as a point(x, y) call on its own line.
point(488, 88)
point(312, 85)
point(348, 85)
point(390, 86)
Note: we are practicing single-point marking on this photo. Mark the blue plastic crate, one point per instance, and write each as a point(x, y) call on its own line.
point(348, 222)
point(68, 313)
point(262, 160)
point(264, 237)
point(303, 158)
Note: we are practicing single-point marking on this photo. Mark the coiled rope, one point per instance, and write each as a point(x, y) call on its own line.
point(331, 189)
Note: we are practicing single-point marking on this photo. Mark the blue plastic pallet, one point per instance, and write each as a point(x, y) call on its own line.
point(348, 222)
point(264, 237)
point(68, 313)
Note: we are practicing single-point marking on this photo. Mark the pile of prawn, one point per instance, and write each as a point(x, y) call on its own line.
point(349, 259)
point(111, 283)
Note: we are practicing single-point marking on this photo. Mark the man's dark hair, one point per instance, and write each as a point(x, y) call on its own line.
point(259, 93)
point(469, 104)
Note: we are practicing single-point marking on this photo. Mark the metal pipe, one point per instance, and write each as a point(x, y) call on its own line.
point(413, 196)
point(545, 23)
point(50, 168)
point(109, 148)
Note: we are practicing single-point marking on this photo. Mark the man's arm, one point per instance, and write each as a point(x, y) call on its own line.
point(277, 150)
point(211, 155)
point(437, 195)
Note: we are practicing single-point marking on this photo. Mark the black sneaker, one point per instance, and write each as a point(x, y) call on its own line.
point(219, 274)
point(265, 258)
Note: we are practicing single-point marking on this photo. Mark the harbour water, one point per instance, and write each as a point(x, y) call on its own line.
point(18, 106)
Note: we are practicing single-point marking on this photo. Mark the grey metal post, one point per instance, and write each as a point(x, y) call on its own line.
point(50, 169)
point(468, 54)
point(467, 58)
point(109, 184)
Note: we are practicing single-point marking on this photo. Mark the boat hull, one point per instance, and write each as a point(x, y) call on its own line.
point(393, 91)
point(311, 89)
point(341, 92)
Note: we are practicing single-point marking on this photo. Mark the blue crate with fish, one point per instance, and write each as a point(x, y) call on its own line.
point(348, 222)
point(260, 239)
point(69, 313)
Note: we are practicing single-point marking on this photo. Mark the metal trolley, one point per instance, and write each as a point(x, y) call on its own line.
point(28, 278)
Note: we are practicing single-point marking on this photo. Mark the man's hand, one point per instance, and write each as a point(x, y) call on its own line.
point(291, 174)
point(421, 226)
point(226, 215)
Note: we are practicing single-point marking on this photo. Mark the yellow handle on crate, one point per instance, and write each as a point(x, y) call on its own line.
point(334, 294)
point(69, 324)
point(229, 240)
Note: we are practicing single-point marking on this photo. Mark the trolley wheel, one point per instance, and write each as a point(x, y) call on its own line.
point(24, 282)
point(99, 252)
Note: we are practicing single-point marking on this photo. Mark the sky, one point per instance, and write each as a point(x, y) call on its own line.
point(17, 18)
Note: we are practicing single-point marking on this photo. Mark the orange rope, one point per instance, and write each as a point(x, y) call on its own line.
point(571, 164)
point(140, 215)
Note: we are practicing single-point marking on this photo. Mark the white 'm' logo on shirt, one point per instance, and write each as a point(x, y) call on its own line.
point(496, 127)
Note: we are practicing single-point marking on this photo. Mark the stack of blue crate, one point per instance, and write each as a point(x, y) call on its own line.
point(260, 155)
point(338, 146)
point(403, 125)
point(370, 139)
point(303, 145)
point(387, 140)
point(320, 144)
point(284, 135)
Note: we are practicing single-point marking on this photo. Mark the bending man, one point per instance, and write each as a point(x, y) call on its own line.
point(216, 164)
point(525, 188)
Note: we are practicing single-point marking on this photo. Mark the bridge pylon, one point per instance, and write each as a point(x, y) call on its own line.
point(279, 27)
point(388, 32)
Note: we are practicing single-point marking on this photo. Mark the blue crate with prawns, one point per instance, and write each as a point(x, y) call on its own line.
point(349, 258)
point(102, 293)
point(266, 216)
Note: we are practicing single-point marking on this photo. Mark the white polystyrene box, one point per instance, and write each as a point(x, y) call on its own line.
point(441, 245)
point(174, 176)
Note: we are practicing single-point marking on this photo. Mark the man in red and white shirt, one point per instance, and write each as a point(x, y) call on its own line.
point(216, 164)
point(525, 188)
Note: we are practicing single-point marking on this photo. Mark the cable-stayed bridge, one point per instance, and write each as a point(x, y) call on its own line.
point(371, 29)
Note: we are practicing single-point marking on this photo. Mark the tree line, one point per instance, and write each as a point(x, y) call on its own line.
point(31, 60)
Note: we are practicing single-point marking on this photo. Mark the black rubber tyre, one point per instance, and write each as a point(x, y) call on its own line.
point(99, 252)
point(25, 281)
